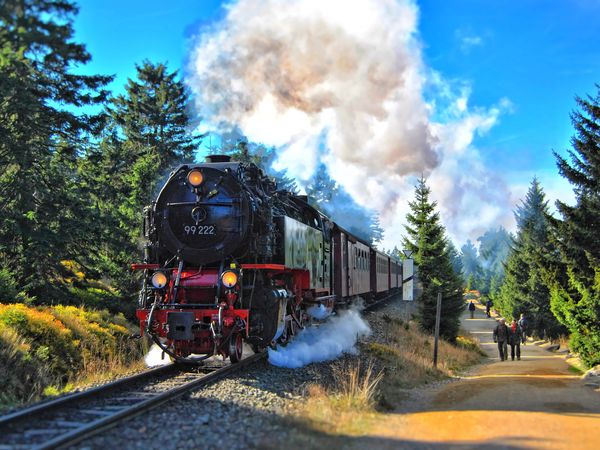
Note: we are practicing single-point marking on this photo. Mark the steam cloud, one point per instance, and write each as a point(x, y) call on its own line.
point(330, 340)
point(343, 83)
point(155, 358)
point(318, 312)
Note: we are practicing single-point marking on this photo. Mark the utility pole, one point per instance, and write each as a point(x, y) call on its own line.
point(438, 315)
point(407, 282)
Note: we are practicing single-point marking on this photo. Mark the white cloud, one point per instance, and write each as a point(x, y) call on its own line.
point(343, 83)
point(468, 40)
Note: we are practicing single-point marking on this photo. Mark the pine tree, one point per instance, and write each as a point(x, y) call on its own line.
point(42, 129)
point(471, 267)
point(494, 247)
point(376, 230)
point(574, 277)
point(524, 289)
point(331, 199)
point(149, 133)
point(322, 190)
point(456, 259)
point(426, 239)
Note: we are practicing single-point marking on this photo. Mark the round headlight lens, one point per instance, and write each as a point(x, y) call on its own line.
point(229, 279)
point(159, 280)
point(195, 178)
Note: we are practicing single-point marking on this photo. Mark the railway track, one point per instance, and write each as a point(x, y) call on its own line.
point(381, 302)
point(67, 420)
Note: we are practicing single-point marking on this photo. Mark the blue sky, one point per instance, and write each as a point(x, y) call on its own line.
point(533, 55)
point(539, 54)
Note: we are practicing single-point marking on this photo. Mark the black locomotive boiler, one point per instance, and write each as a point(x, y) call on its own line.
point(230, 259)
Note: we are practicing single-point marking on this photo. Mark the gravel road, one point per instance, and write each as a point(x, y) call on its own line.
point(534, 403)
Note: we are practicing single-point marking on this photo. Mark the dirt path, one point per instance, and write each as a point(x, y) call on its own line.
point(536, 402)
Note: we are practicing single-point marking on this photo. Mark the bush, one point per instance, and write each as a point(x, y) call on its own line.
point(8, 286)
point(100, 298)
point(44, 349)
point(46, 336)
point(9, 291)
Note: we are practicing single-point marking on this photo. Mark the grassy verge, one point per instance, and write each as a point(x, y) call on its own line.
point(360, 394)
point(45, 351)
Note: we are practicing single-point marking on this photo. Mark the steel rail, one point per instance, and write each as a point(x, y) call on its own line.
point(381, 302)
point(111, 419)
point(44, 406)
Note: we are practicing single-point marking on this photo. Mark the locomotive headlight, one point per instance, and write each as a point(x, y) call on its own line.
point(195, 178)
point(229, 279)
point(159, 280)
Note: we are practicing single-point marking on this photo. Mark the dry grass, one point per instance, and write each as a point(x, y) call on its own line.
point(355, 388)
point(407, 355)
point(346, 407)
point(401, 361)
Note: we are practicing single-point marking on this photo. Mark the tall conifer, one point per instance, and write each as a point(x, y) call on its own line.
point(524, 289)
point(575, 279)
point(41, 129)
point(149, 133)
point(429, 246)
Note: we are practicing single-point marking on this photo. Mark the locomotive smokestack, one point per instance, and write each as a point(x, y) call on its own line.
point(217, 158)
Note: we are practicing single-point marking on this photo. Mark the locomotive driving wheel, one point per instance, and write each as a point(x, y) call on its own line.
point(236, 347)
point(297, 322)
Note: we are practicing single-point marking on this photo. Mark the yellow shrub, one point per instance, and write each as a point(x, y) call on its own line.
point(44, 349)
point(50, 340)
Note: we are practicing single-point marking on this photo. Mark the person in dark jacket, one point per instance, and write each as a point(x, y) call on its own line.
point(488, 307)
point(472, 308)
point(501, 338)
point(515, 337)
point(523, 324)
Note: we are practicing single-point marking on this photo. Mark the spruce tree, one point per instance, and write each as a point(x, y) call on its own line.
point(148, 134)
point(429, 246)
point(471, 267)
point(524, 289)
point(333, 200)
point(574, 277)
point(456, 259)
point(42, 128)
point(376, 230)
point(494, 247)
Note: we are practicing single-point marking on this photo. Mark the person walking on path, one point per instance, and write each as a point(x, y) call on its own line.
point(472, 308)
point(523, 325)
point(515, 338)
point(488, 307)
point(501, 338)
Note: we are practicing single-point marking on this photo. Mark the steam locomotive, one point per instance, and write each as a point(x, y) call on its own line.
point(230, 259)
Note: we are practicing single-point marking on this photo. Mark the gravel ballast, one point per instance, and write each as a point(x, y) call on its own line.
point(247, 410)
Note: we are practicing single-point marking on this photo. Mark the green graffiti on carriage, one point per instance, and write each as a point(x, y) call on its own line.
point(304, 250)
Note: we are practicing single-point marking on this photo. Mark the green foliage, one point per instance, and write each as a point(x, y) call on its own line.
point(426, 239)
point(42, 127)
point(471, 266)
point(524, 289)
point(494, 248)
point(456, 260)
point(327, 196)
point(44, 349)
point(44, 336)
point(8, 286)
point(573, 275)
point(147, 134)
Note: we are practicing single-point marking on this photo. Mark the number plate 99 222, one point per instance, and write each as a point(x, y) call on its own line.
point(198, 230)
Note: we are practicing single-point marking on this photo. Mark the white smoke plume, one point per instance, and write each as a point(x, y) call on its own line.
point(343, 83)
point(155, 357)
point(323, 343)
point(319, 312)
